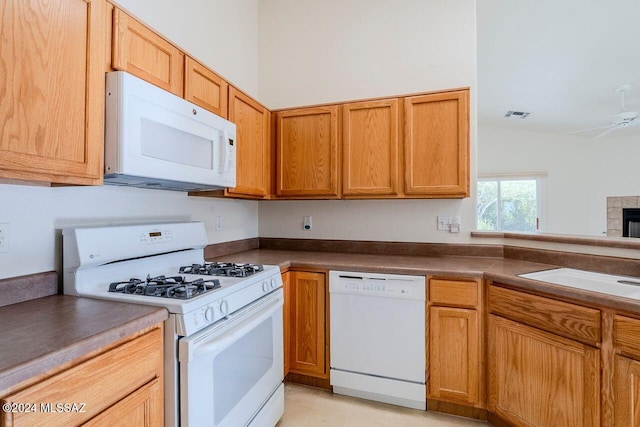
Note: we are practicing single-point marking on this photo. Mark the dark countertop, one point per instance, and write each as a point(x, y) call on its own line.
point(44, 333)
point(502, 270)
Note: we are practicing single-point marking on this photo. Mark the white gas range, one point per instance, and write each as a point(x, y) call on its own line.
point(223, 338)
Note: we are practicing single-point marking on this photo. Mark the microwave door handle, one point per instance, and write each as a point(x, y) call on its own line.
point(222, 154)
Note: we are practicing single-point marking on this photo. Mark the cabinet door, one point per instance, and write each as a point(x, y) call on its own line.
point(143, 53)
point(308, 296)
point(370, 139)
point(140, 409)
point(205, 88)
point(253, 155)
point(436, 145)
point(286, 320)
point(52, 91)
point(626, 392)
point(307, 160)
point(540, 379)
point(99, 383)
point(454, 362)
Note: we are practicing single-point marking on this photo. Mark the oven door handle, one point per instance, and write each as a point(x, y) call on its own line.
point(217, 340)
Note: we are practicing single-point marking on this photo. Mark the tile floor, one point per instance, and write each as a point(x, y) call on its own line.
point(310, 407)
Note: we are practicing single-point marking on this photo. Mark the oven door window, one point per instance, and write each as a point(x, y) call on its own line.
point(228, 372)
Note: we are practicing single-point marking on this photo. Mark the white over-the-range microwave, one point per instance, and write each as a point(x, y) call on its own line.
point(155, 139)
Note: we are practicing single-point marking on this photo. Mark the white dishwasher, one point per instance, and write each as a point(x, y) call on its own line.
point(377, 337)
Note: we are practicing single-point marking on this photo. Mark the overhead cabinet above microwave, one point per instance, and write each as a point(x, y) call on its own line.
point(155, 139)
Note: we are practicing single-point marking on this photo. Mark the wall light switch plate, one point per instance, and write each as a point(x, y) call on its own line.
point(444, 222)
point(218, 223)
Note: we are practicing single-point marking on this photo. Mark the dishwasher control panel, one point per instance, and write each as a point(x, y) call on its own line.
point(375, 284)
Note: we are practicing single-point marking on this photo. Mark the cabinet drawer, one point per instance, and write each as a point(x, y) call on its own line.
point(565, 319)
point(97, 383)
point(627, 335)
point(453, 292)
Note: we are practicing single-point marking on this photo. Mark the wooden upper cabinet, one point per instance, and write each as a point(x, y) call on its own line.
point(370, 138)
point(52, 91)
point(307, 153)
point(253, 155)
point(205, 88)
point(436, 145)
point(143, 53)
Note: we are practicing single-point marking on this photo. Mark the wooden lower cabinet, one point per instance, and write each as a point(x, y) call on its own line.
point(540, 379)
point(454, 356)
point(106, 389)
point(141, 408)
point(626, 392)
point(286, 320)
point(308, 332)
point(454, 342)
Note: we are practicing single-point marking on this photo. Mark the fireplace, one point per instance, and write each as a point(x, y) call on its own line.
point(631, 222)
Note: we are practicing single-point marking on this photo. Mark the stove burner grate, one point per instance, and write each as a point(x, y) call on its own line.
point(168, 287)
point(228, 269)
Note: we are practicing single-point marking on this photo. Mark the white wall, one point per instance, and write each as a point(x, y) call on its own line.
point(581, 172)
point(223, 34)
point(336, 50)
point(566, 160)
point(36, 215)
point(615, 172)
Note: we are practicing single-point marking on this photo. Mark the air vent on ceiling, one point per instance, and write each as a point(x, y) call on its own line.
point(517, 114)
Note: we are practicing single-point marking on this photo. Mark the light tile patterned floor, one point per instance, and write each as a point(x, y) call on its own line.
point(311, 407)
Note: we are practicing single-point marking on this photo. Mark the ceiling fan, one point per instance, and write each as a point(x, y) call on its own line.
point(621, 120)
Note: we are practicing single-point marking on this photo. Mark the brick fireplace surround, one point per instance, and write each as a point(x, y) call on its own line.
point(614, 212)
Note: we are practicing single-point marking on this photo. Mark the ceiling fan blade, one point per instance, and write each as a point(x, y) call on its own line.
point(588, 129)
point(606, 131)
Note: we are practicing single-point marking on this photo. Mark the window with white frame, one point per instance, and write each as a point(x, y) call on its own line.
point(511, 202)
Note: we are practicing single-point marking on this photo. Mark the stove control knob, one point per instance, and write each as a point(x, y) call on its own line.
point(224, 307)
point(265, 286)
point(208, 314)
point(274, 283)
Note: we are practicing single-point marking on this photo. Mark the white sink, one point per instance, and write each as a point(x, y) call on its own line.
point(622, 286)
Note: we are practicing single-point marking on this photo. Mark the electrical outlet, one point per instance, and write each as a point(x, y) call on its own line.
point(306, 223)
point(454, 227)
point(218, 223)
point(4, 237)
